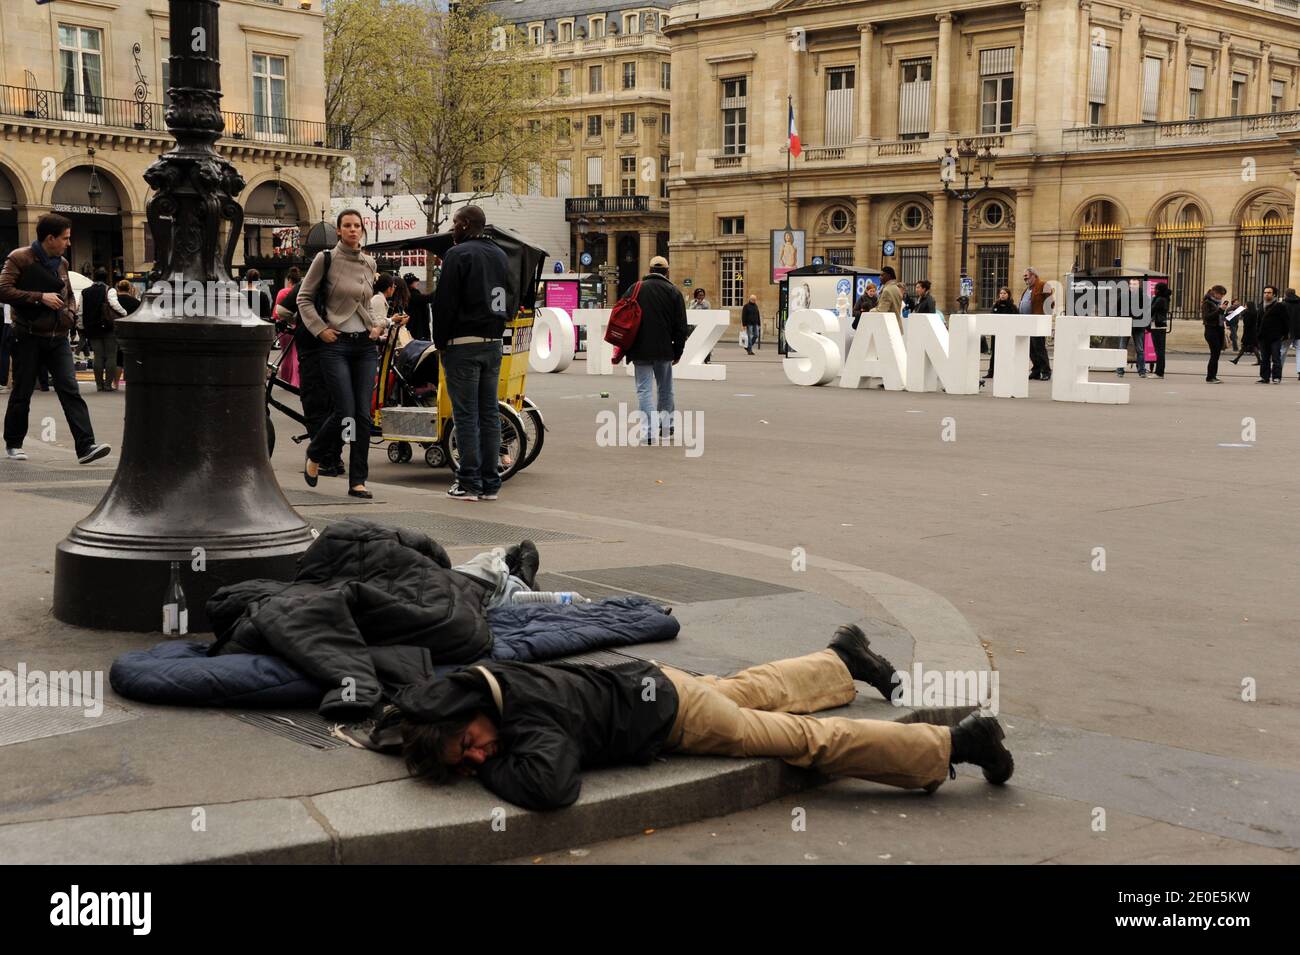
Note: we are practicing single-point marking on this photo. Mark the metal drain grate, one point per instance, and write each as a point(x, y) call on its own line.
point(452, 531)
point(305, 728)
point(18, 724)
point(19, 474)
point(673, 583)
point(90, 494)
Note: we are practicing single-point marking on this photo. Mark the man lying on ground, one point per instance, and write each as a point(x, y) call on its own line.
point(528, 730)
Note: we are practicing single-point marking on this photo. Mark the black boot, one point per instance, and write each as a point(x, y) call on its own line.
point(978, 739)
point(853, 647)
point(938, 715)
point(529, 561)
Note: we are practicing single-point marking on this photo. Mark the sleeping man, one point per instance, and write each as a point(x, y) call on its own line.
point(528, 730)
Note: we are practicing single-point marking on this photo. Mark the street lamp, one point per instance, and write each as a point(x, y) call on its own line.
point(969, 162)
point(279, 204)
point(386, 187)
point(194, 487)
point(93, 191)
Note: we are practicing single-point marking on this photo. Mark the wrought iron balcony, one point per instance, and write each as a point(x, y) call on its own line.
point(79, 109)
point(1187, 132)
point(607, 205)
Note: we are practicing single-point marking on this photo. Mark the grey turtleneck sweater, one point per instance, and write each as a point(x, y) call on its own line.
point(351, 284)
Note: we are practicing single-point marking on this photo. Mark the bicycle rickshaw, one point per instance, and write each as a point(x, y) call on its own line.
point(410, 407)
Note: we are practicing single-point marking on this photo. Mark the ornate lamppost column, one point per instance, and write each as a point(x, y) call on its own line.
point(968, 162)
point(194, 483)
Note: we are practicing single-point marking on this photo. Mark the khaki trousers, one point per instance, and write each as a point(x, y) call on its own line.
point(759, 712)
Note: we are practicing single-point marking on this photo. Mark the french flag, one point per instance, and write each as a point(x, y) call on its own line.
point(795, 148)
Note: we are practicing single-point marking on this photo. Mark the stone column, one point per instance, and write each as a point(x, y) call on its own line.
point(1223, 85)
point(1128, 94)
point(794, 73)
point(1293, 280)
point(1178, 81)
point(647, 251)
point(862, 241)
point(1029, 67)
point(1080, 117)
point(1023, 257)
point(942, 275)
point(133, 226)
point(866, 36)
point(1264, 93)
point(942, 125)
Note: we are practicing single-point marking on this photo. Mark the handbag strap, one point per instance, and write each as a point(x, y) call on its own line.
point(495, 687)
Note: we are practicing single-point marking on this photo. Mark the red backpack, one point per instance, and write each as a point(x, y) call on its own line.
point(624, 323)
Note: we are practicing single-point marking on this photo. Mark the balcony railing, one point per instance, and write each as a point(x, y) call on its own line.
point(1187, 132)
point(104, 111)
point(604, 205)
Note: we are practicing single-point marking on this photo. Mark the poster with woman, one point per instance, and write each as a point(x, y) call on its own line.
point(787, 252)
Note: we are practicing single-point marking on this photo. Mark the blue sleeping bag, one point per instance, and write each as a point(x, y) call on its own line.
point(180, 673)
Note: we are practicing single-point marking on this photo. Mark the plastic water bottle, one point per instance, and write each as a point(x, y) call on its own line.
point(549, 597)
point(176, 617)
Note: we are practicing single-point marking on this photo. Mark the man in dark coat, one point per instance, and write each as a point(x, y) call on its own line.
point(418, 308)
point(527, 730)
point(1212, 318)
point(924, 300)
point(1274, 326)
point(750, 318)
point(34, 281)
point(1293, 327)
point(658, 346)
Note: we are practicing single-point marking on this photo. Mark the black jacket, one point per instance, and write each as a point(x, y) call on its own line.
point(94, 299)
point(1160, 313)
point(749, 314)
point(1275, 324)
point(1211, 313)
point(1009, 307)
point(556, 720)
point(1293, 312)
point(260, 304)
point(471, 296)
point(418, 308)
point(128, 302)
point(370, 610)
point(925, 306)
point(663, 322)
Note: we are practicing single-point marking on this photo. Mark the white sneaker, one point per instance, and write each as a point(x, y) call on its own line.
point(456, 492)
point(15, 454)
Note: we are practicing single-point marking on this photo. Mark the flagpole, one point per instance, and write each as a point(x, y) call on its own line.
point(789, 105)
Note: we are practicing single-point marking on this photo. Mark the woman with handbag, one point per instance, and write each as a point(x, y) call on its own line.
point(1160, 325)
point(334, 303)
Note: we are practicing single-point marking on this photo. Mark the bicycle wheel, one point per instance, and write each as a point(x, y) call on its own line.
point(514, 442)
point(535, 429)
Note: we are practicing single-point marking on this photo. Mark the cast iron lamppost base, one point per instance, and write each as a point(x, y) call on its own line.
point(194, 483)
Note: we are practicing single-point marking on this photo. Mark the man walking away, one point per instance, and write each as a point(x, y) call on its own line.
point(259, 302)
point(469, 319)
point(891, 293)
point(418, 309)
point(1031, 303)
point(99, 309)
point(1212, 319)
point(1293, 327)
point(749, 317)
point(658, 346)
point(1274, 326)
point(1159, 325)
point(924, 300)
point(34, 281)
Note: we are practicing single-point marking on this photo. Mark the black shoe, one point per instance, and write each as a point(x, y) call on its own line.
point(853, 647)
point(311, 481)
point(94, 453)
point(1235, 360)
point(978, 739)
point(1262, 381)
point(529, 561)
point(938, 715)
point(1046, 377)
point(331, 470)
point(362, 493)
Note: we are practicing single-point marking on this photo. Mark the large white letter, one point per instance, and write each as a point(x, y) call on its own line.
point(813, 335)
point(709, 324)
point(1011, 334)
point(876, 351)
point(1074, 357)
point(938, 355)
point(600, 353)
point(552, 347)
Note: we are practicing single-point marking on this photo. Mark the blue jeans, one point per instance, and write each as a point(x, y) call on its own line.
point(1272, 354)
point(1140, 349)
point(471, 373)
point(650, 374)
point(347, 366)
